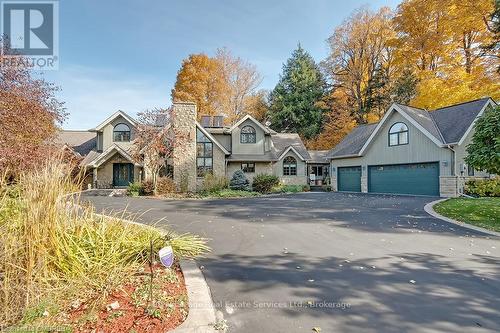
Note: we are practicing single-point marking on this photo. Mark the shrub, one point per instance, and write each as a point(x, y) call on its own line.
point(239, 181)
point(213, 183)
point(483, 187)
point(134, 189)
point(147, 187)
point(264, 183)
point(165, 185)
point(306, 188)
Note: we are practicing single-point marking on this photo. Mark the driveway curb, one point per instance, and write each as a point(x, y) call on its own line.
point(201, 316)
point(429, 208)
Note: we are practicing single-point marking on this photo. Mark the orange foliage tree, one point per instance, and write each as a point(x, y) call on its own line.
point(29, 118)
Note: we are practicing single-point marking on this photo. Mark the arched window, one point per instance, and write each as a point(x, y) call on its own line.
point(248, 135)
point(121, 133)
point(289, 166)
point(398, 134)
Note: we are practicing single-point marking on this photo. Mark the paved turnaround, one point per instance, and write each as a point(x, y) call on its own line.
point(339, 262)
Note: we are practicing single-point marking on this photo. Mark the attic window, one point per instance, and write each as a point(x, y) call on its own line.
point(121, 133)
point(398, 134)
point(248, 135)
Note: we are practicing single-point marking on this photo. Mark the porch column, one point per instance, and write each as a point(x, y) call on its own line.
point(94, 177)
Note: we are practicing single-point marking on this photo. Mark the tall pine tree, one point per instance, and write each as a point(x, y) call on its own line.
point(296, 102)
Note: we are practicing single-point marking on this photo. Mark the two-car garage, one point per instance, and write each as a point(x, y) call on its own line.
point(416, 178)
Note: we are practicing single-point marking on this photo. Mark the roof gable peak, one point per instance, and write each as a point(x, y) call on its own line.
point(115, 115)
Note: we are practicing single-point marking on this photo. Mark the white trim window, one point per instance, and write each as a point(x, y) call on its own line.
point(289, 166)
point(398, 134)
point(121, 133)
point(248, 135)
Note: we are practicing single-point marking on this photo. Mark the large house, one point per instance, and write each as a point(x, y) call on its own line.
point(199, 148)
point(410, 151)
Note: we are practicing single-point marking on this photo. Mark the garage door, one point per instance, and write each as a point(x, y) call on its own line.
point(349, 179)
point(418, 179)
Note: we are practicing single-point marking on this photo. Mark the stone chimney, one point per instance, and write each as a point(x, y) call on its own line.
point(184, 152)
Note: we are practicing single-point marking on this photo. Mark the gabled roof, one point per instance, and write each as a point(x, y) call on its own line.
point(108, 153)
point(81, 142)
point(113, 117)
point(249, 117)
point(444, 126)
point(210, 136)
point(454, 121)
point(283, 141)
point(353, 142)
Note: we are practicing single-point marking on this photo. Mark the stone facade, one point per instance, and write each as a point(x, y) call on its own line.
point(184, 152)
point(218, 165)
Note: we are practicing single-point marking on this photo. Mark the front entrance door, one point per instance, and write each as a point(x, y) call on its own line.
point(123, 174)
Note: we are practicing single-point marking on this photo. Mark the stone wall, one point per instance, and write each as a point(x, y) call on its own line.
point(448, 186)
point(184, 152)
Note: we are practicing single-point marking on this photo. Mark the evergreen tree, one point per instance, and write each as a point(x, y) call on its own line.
point(296, 101)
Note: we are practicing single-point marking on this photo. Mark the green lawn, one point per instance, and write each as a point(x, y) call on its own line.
point(481, 212)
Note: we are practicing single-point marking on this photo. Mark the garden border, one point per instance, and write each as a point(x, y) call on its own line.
point(429, 208)
point(201, 316)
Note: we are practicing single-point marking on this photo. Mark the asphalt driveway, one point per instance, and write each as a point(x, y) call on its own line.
point(340, 262)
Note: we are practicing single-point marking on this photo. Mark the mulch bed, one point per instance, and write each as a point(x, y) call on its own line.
point(135, 312)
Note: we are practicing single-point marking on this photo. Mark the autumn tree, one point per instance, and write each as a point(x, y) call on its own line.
point(241, 80)
point(29, 118)
point(360, 65)
point(296, 101)
point(201, 80)
point(441, 41)
point(154, 141)
point(338, 122)
point(493, 24)
point(257, 105)
point(219, 85)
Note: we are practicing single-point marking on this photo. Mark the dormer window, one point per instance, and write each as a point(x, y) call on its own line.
point(289, 166)
point(398, 134)
point(121, 133)
point(248, 135)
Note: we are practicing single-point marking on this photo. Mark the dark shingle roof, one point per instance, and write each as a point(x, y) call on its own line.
point(447, 124)
point(267, 157)
point(353, 142)
point(423, 118)
point(453, 121)
point(281, 142)
point(80, 141)
point(318, 156)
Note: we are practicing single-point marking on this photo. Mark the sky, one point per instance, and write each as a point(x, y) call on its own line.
point(125, 54)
